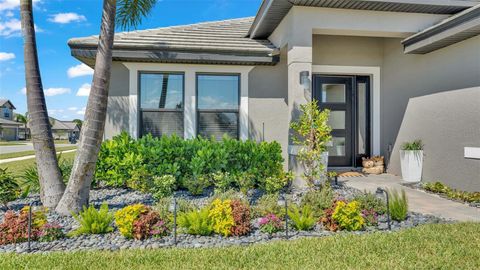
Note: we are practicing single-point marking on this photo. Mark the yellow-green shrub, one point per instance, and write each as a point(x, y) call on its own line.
point(222, 217)
point(348, 216)
point(125, 217)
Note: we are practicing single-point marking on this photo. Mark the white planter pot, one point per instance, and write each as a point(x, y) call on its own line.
point(411, 162)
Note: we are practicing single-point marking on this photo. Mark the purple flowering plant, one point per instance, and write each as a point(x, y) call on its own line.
point(159, 229)
point(270, 224)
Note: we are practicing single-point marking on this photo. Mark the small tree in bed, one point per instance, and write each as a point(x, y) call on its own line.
point(312, 133)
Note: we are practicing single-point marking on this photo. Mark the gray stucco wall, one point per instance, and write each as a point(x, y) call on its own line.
point(117, 112)
point(407, 76)
point(446, 122)
point(347, 50)
point(268, 103)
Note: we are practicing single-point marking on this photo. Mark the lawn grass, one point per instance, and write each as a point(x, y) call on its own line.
point(32, 152)
point(446, 246)
point(10, 143)
point(18, 167)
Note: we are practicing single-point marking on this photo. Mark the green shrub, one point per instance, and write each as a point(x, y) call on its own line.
point(348, 216)
point(303, 220)
point(9, 189)
point(93, 221)
point(125, 217)
point(223, 181)
point(196, 184)
point(196, 222)
point(318, 200)
point(163, 186)
point(140, 179)
point(369, 201)
point(245, 182)
point(222, 217)
point(187, 160)
point(268, 204)
point(398, 205)
point(274, 184)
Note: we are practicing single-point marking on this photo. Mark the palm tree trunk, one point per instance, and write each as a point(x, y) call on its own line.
point(78, 188)
point(51, 184)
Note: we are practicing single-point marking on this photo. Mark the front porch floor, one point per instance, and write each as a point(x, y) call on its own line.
point(418, 201)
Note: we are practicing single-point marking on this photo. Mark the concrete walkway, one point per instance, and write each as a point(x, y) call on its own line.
point(418, 201)
point(7, 160)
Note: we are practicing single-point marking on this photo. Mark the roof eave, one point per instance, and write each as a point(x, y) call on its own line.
point(258, 30)
point(193, 57)
point(450, 31)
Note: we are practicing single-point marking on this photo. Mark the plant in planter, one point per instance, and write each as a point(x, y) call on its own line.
point(411, 161)
point(9, 189)
point(312, 133)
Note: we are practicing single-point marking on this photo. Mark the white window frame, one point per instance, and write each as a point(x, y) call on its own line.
point(190, 110)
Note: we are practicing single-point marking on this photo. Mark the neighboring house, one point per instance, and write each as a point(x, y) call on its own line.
point(62, 130)
point(8, 127)
point(365, 60)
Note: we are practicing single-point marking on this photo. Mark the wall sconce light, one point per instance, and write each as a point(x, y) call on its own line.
point(305, 80)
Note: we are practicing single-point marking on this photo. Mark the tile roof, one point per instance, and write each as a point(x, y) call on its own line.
point(228, 38)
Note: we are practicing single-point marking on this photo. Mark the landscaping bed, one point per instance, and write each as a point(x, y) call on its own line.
point(117, 198)
point(469, 198)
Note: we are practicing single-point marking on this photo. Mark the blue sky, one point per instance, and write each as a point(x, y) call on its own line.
point(65, 80)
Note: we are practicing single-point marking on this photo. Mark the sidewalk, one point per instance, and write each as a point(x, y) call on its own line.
point(29, 157)
point(419, 201)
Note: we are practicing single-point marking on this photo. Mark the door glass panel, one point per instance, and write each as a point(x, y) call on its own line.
point(337, 119)
point(333, 93)
point(338, 147)
point(362, 118)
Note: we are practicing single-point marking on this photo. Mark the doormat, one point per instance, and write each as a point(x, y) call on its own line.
point(351, 174)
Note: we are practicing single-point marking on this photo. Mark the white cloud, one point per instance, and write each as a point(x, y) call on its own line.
point(23, 90)
point(84, 90)
point(4, 56)
point(79, 70)
point(82, 111)
point(68, 17)
point(12, 4)
point(56, 91)
point(72, 108)
point(10, 27)
point(9, 14)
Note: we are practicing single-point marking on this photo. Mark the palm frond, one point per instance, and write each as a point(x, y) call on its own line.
point(131, 12)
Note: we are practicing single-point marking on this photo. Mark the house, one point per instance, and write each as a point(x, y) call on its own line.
point(390, 71)
point(8, 127)
point(63, 130)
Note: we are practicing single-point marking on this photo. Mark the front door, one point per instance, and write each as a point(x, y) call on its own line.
point(348, 99)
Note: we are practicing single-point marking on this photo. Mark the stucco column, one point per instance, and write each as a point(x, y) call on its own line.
point(299, 58)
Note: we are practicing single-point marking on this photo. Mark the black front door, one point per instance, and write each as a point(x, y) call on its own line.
point(348, 99)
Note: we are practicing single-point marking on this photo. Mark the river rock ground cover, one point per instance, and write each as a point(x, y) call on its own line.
point(117, 198)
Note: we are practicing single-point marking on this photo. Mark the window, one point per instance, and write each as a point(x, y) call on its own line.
point(217, 105)
point(6, 112)
point(161, 104)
